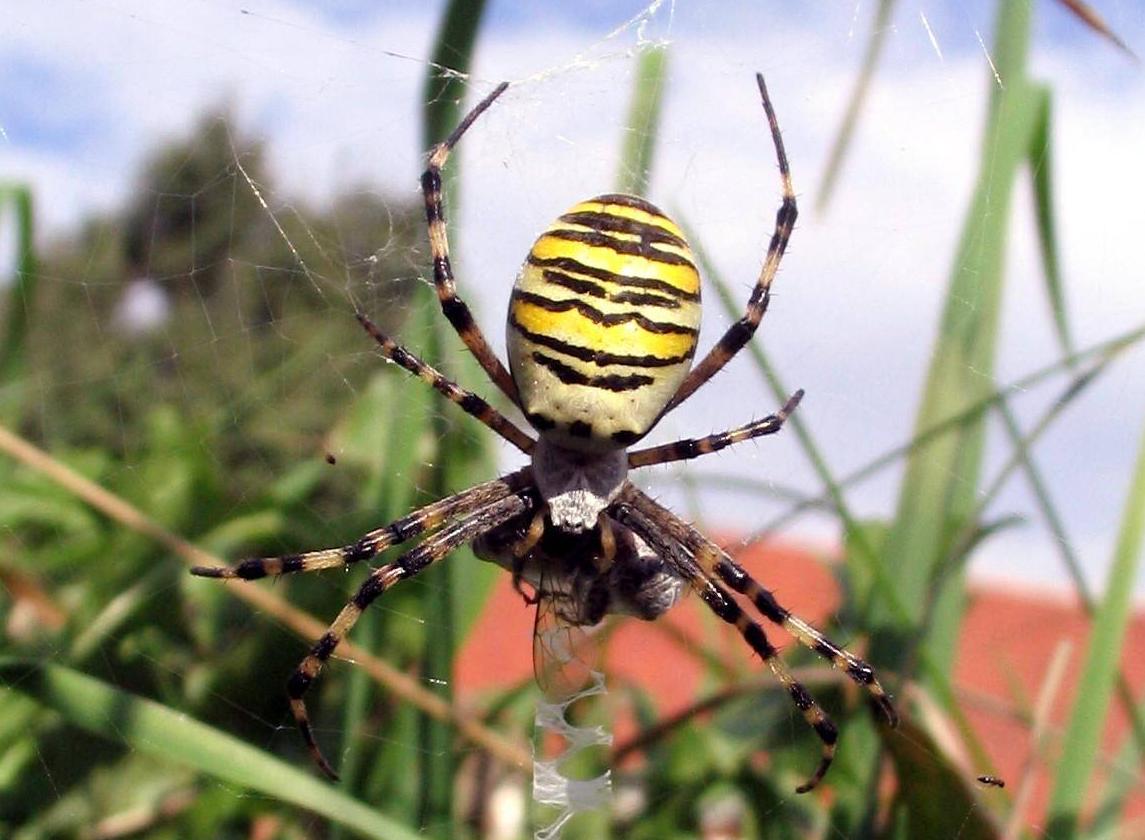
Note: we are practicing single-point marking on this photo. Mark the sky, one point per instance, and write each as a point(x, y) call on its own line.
point(87, 88)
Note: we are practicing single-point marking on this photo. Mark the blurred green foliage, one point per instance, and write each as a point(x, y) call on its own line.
point(248, 309)
point(181, 413)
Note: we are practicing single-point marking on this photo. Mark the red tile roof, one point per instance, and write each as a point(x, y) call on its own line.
point(1008, 638)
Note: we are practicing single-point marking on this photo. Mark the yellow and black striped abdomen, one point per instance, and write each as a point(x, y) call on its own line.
point(603, 322)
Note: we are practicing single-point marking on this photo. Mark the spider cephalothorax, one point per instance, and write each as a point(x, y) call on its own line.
point(602, 329)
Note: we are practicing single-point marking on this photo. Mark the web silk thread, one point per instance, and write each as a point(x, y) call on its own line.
point(551, 787)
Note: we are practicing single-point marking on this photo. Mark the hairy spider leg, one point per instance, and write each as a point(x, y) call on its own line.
point(452, 306)
point(688, 448)
point(409, 564)
point(428, 518)
point(724, 606)
point(716, 563)
point(739, 333)
point(470, 403)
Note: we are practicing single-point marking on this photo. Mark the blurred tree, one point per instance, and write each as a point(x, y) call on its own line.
point(192, 293)
point(192, 206)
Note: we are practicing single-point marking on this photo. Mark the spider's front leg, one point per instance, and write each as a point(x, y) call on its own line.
point(424, 519)
point(453, 307)
point(739, 333)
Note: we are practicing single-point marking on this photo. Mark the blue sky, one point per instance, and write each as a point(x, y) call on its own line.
point(87, 88)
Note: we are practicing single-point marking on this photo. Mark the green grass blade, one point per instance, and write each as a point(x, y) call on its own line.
point(1041, 162)
point(355, 713)
point(147, 726)
point(940, 800)
point(445, 82)
point(438, 606)
point(839, 146)
point(643, 119)
point(22, 291)
point(939, 487)
point(444, 92)
point(1070, 561)
point(1083, 735)
point(974, 530)
point(1123, 782)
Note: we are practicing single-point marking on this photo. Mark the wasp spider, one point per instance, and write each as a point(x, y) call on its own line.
point(602, 327)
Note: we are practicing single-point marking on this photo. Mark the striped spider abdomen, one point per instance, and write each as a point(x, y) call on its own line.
point(603, 323)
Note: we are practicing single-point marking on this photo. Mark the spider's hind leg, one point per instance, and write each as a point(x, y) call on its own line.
point(763, 600)
point(727, 609)
point(650, 529)
point(716, 563)
point(409, 564)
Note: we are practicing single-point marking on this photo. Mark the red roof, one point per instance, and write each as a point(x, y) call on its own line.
point(1008, 639)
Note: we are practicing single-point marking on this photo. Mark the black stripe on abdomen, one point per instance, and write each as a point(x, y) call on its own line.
point(577, 267)
point(608, 319)
point(586, 287)
point(643, 249)
point(571, 376)
point(598, 357)
point(607, 222)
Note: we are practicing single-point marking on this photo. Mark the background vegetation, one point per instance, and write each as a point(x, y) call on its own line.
point(116, 719)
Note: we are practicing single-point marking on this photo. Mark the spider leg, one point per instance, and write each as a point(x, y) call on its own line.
point(452, 306)
point(683, 450)
point(724, 606)
point(739, 333)
point(715, 562)
point(470, 403)
point(736, 577)
point(409, 564)
point(428, 518)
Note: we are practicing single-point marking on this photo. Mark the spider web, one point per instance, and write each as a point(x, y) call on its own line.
point(232, 306)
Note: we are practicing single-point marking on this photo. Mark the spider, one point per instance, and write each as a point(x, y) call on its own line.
point(602, 327)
